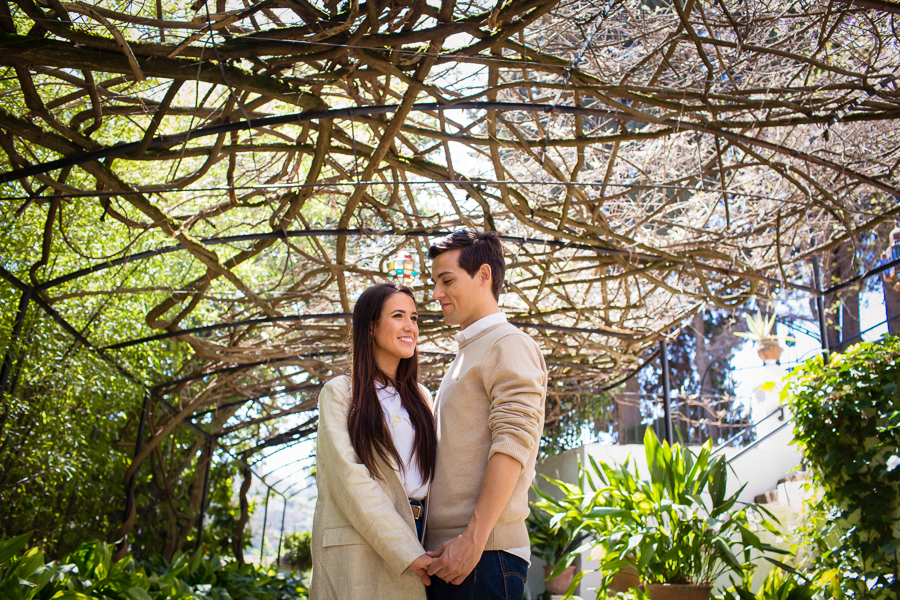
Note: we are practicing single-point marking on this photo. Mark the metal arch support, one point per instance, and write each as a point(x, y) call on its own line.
point(253, 237)
point(667, 390)
point(339, 316)
point(130, 484)
point(281, 537)
point(262, 539)
point(302, 117)
point(820, 308)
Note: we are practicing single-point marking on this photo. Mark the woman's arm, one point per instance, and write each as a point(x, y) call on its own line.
point(357, 494)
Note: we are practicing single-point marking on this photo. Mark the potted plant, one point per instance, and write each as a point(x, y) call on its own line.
point(780, 584)
point(588, 509)
point(761, 330)
point(677, 528)
point(553, 541)
point(685, 532)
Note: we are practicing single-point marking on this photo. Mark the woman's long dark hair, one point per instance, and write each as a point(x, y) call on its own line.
point(366, 422)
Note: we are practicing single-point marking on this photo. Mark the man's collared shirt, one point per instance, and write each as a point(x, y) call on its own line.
point(479, 326)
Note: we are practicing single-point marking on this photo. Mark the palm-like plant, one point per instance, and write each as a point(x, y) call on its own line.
point(677, 527)
point(761, 329)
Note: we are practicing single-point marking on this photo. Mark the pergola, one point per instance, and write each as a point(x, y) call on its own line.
point(253, 165)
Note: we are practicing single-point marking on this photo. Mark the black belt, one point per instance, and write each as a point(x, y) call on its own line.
point(418, 508)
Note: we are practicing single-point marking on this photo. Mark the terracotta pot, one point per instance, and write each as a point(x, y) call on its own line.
point(560, 583)
point(668, 591)
point(769, 350)
point(625, 580)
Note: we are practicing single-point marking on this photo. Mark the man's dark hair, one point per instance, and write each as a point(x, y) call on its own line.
point(478, 248)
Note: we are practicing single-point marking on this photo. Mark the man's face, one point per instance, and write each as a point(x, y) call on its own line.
point(460, 295)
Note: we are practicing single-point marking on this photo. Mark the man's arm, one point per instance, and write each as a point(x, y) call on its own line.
point(459, 556)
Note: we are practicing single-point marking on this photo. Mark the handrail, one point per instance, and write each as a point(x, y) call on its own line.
point(742, 432)
point(762, 439)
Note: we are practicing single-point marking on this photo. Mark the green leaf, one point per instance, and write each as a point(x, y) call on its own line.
point(727, 555)
point(138, 594)
point(12, 546)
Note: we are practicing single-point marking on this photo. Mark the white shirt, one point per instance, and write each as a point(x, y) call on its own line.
point(479, 326)
point(468, 333)
point(404, 437)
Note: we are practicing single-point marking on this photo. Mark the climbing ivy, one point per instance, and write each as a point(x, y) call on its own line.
point(847, 422)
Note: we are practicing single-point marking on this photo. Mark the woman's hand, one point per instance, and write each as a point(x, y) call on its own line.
point(420, 566)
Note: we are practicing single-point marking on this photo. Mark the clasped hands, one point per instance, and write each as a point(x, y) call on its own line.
point(452, 562)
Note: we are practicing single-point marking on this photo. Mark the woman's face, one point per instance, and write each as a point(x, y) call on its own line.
point(397, 330)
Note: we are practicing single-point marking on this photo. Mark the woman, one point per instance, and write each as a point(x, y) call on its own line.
point(375, 457)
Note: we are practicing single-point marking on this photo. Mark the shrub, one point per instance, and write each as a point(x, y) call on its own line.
point(847, 422)
point(90, 574)
point(298, 551)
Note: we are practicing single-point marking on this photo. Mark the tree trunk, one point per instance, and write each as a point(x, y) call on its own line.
point(892, 303)
point(702, 363)
point(842, 307)
point(628, 412)
point(237, 538)
point(849, 317)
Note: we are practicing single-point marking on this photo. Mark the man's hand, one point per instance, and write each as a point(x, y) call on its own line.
point(456, 559)
point(420, 566)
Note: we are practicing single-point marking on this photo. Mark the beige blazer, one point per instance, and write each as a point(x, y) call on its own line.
point(363, 536)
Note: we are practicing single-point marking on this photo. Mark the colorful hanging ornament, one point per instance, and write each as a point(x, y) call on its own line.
point(403, 268)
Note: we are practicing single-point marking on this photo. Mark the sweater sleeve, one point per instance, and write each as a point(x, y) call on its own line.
point(515, 378)
point(429, 401)
point(362, 500)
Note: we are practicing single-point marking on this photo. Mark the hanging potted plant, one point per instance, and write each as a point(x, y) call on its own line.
point(761, 330)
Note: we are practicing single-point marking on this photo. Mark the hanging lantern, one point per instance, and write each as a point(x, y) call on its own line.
point(403, 268)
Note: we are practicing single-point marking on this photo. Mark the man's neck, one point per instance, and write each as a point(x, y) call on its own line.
point(490, 310)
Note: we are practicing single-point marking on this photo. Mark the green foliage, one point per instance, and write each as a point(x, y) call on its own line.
point(778, 585)
point(552, 538)
point(677, 527)
point(575, 414)
point(298, 551)
point(66, 437)
point(90, 573)
point(847, 422)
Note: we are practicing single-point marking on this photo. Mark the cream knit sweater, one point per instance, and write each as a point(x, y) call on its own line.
point(491, 400)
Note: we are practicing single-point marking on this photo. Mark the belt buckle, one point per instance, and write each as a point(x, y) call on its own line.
point(416, 511)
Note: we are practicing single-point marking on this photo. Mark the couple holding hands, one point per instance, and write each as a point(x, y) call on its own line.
point(428, 499)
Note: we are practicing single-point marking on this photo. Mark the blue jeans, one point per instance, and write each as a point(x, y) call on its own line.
point(498, 576)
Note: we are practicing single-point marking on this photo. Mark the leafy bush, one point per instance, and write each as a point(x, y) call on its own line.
point(778, 585)
point(847, 422)
point(677, 527)
point(298, 551)
point(90, 574)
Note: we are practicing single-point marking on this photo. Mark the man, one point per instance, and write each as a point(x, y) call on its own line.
point(490, 415)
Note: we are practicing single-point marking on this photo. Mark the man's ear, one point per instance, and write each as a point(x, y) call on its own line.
point(484, 273)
